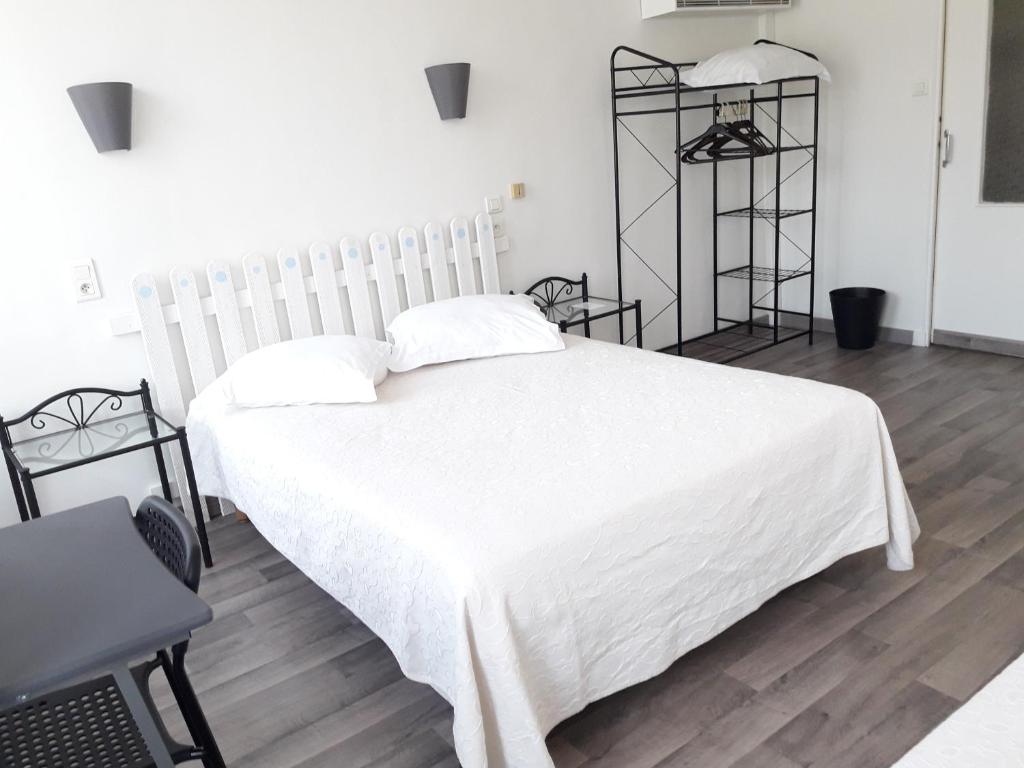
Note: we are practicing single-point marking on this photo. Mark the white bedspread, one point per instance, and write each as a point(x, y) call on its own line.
point(986, 732)
point(529, 534)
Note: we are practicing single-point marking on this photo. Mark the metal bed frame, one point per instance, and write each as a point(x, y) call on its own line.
point(731, 338)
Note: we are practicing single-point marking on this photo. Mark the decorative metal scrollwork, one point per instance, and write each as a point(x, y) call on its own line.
point(551, 290)
point(74, 403)
point(85, 442)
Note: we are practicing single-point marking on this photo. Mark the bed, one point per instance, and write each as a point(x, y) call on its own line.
point(531, 533)
point(527, 533)
point(986, 732)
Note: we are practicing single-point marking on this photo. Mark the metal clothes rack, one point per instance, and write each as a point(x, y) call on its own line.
point(656, 83)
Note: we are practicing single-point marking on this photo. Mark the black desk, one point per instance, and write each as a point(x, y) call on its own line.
point(81, 595)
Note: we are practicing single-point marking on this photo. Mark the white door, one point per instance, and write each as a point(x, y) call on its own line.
point(979, 263)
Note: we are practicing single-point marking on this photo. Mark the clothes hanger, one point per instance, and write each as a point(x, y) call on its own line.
point(733, 140)
point(764, 41)
point(718, 134)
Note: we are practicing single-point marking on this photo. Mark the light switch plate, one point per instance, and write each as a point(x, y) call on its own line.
point(919, 89)
point(86, 286)
point(494, 204)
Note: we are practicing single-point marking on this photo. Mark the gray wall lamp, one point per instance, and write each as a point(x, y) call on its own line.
point(450, 85)
point(106, 112)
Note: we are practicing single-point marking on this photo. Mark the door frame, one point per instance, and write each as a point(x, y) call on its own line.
point(933, 228)
point(937, 170)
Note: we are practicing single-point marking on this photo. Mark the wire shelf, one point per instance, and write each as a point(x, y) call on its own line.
point(731, 344)
point(764, 274)
point(765, 213)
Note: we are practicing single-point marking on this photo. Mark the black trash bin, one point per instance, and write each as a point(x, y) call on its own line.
point(857, 312)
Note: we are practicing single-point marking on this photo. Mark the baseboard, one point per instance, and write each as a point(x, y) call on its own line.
point(825, 325)
point(978, 343)
point(212, 503)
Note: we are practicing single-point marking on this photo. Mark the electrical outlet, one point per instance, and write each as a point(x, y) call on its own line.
point(919, 89)
point(499, 229)
point(517, 190)
point(494, 204)
point(87, 287)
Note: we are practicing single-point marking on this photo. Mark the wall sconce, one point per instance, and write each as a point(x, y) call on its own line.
point(106, 113)
point(450, 85)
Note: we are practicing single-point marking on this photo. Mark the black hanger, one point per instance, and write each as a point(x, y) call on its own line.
point(763, 41)
point(726, 141)
point(750, 134)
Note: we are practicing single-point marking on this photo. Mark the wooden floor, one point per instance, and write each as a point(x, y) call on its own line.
point(850, 668)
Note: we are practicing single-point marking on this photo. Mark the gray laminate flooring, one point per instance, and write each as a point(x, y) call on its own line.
point(850, 668)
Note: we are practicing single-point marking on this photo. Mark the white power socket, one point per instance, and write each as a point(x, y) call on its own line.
point(87, 287)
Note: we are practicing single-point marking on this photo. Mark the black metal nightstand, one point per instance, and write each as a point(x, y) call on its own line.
point(557, 298)
point(95, 430)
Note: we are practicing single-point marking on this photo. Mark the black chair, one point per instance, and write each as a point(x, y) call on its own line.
point(89, 725)
point(174, 541)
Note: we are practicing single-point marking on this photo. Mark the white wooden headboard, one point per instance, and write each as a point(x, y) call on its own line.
point(335, 291)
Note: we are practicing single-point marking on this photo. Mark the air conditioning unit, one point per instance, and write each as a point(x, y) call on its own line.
point(652, 8)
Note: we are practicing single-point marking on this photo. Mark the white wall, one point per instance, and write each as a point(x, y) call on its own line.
point(879, 147)
point(265, 123)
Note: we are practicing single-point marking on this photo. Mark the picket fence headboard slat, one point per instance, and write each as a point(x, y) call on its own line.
point(463, 257)
point(387, 285)
point(225, 306)
point(193, 328)
point(290, 269)
point(325, 283)
point(437, 262)
point(254, 267)
point(197, 351)
point(163, 372)
point(358, 287)
point(412, 266)
point(488, 253)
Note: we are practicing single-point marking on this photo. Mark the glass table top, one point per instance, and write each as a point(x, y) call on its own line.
point(570, 310)
point(96, 439)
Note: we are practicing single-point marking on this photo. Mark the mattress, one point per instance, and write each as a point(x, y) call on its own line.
point(531, 533)
point(986, 732)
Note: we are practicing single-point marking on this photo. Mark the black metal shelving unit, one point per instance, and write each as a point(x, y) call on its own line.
point(654, 87)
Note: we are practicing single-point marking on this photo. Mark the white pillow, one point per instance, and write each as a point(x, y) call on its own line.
point(470, 327)
point(761, 63)
point(319, 369)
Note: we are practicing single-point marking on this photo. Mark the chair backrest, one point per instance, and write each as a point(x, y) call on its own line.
point(172, 538)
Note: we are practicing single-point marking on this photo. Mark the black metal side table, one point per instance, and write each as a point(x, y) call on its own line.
point(557, 298)
point(96, 429)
